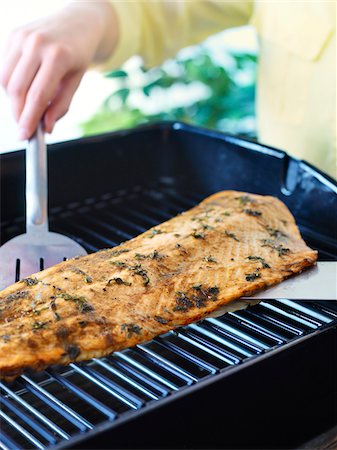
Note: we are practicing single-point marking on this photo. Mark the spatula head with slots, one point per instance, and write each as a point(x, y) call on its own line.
point(27, 254)
point(38, 248)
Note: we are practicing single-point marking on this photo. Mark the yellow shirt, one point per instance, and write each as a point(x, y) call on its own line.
point(296, 89)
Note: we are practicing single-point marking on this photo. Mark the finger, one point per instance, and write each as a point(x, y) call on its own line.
point(42, 90)
point(60, 105)
point(11, 54)
point(21, 79)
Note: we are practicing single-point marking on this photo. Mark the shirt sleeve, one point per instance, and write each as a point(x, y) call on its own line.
point(156, 30)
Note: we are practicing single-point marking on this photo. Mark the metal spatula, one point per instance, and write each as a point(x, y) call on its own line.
point(316, 283)
point(38, 248)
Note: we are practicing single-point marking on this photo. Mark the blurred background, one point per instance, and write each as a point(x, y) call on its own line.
point(211, 84)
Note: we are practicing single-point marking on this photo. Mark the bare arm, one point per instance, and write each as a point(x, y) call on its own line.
point(45, 61)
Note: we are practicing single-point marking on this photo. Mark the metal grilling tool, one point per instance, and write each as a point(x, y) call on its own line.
point(38, 248)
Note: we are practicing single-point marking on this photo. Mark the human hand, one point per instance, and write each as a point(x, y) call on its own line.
point(45, 61)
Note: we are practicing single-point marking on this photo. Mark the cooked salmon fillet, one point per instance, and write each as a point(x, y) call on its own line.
point(230, 245)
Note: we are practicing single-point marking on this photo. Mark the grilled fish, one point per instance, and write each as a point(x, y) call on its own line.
point(230, 245)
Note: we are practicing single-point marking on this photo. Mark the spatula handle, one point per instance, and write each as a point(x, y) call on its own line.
point(36, 183)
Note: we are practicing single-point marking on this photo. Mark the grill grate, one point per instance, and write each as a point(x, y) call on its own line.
point(52, 408)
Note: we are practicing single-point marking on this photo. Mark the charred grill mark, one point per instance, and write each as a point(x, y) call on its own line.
point(161, 320)
point(39, 325)
point(275, 232)
point(87, 278)
point(232, 236)
point(32, 343)
point(204, 295)
point(198, 235)
point(73, 351)
point(183, 302)
point(78, 271)
point(207, 227)
point(244, 199)
point(154, 232)
point(140, 256)
point(252, 276)
point(198, 298)
point(30, 281)
point(85, 307)
point(181, 248)
point(118, 252)
point(62, 332)
point(252, 212)
point(279, 248)
point(210, 259)
point(154, 255)
point(261, 260)
point(53, 308)
point(131, 328)
point(17, 295)
point(109, 340)
point(120, 264)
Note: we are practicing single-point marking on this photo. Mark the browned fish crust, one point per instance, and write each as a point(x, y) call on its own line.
point(230, 245)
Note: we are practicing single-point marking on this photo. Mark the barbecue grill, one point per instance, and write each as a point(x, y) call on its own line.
point(264, 377)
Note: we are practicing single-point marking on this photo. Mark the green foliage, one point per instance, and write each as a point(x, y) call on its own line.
point(196, 89)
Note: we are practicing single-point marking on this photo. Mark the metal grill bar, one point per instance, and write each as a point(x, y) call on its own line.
point(173, 344)
point(208, 347)
point(210, 341)
point(244, 349)
point(7, 443)
point(91, 233)
point(28, 420)
point(35, 412)
point(127, 379)
point(123, 222)
point(168, 365)
point(146, 370)
point(110, 387)
point(106, 228)
point(304, 320)
point(56, 404)
point(105, 389)
point(146, 205)
point(22, 430)
point(111, 415)
point(323, 308)
point(282, 329)
point(134, 373)
point(310, 311)
point(243, 335)
point(138, 216)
